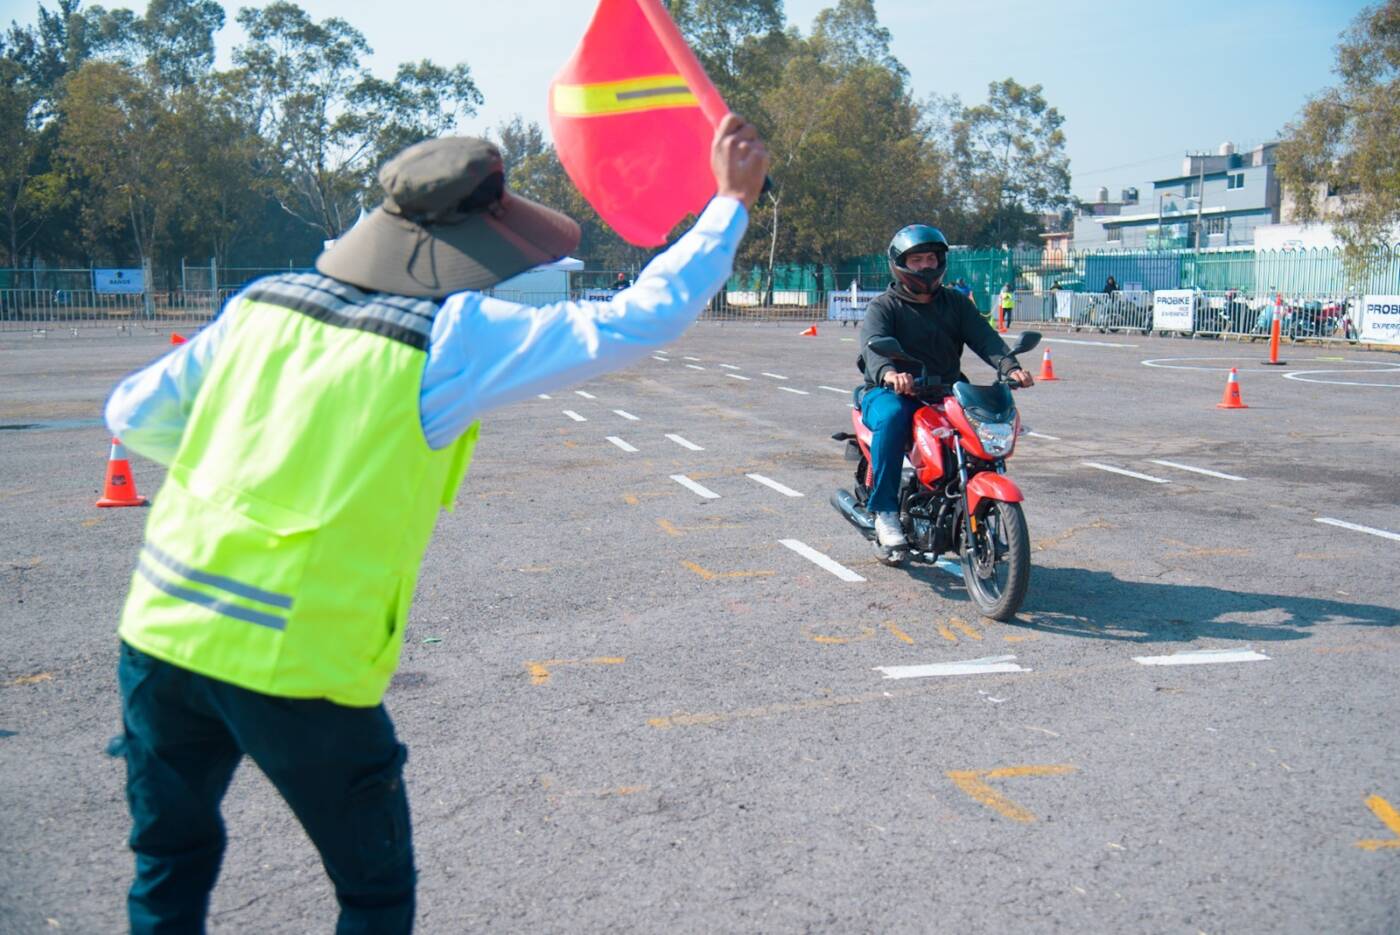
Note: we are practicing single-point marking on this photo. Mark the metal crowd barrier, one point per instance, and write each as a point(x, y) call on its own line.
point(44, 310)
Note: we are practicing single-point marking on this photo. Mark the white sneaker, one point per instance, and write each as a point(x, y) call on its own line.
point(889, 532)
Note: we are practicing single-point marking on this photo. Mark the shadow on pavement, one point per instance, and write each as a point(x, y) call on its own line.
point(1098, 605)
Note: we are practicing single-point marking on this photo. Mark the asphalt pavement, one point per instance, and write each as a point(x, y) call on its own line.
point(654, 682)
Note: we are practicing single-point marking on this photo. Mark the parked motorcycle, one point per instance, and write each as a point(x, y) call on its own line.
point(957, 497)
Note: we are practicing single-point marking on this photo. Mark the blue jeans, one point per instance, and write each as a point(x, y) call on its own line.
point(340, 769)
point(890, 418)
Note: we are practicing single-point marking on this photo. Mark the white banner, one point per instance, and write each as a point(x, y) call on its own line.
point(1380, 319)
point(1174, 310)
point(123, 281)
point(1064, 304)
point(840, 306)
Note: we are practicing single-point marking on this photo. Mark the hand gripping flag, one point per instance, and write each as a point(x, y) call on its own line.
point(633, 115)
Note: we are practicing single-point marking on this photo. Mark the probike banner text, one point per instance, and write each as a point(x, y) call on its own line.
point(1380, 319)
point(1173, 310)
point(840, 307)
point(124, 281)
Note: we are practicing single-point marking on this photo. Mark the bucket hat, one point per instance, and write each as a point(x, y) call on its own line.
point(448, 223)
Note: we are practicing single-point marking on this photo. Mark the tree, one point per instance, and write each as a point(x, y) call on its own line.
point(328, 122)
point(740, 43)
point(850, 34)
point(1345, 138)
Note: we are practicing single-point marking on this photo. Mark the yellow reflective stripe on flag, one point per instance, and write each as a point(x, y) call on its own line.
point(653, 92)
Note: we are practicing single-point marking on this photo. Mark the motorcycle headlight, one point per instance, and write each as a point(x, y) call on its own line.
point(997, 438)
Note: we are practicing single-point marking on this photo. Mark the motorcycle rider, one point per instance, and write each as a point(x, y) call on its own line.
point(932, 322)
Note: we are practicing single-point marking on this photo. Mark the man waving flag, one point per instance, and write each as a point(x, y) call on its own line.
point(633, 114)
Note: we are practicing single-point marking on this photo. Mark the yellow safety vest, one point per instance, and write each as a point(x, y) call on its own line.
point(282, 552)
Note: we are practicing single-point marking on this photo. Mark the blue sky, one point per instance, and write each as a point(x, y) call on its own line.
point(1138, 83)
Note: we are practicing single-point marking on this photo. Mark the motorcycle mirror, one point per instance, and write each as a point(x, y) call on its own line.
point(1028, 340)
point(887, 346)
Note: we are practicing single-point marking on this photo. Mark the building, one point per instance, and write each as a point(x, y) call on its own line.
point(1217, 201)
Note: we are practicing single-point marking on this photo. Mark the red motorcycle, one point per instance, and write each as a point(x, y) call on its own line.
point(956, 497)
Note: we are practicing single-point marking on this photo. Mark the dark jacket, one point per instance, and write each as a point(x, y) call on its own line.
point(935, 333)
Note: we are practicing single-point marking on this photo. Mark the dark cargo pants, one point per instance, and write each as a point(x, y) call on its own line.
point(340, 769)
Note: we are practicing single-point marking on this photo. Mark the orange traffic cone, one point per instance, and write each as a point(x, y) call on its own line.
point(1231, 399)
point(1047, 368)
point(809, 332)
point(121, 486)
point(177, 338)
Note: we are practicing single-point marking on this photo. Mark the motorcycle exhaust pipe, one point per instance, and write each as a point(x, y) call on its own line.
point(859, 517)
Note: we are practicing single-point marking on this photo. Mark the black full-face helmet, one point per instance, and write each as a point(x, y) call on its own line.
point(918, 238)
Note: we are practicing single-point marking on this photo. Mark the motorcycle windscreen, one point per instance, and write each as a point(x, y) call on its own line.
point(985, 403)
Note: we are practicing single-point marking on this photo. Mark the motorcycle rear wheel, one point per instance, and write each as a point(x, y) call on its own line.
point(997, 565)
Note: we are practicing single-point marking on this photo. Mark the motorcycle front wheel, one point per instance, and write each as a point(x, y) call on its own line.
point(997, 564)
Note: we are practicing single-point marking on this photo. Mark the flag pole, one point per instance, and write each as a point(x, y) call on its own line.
point(711, 104)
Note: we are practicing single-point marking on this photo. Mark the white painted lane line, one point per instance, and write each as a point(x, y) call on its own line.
point(626, 415)
point(545, 396)
point(664, 360)
point(1187, 467)
point(730, 367)
point(620, 443)
point(1125, 472)
point(769, 482)
point(574, 415)
point(1202, 657)
point(989, 665)
point(693, 487)
point(820, 560)
point(1089, 343)
point(736, 376)
point(775, 376)
point(788, 389)
point(835, 389)
point(690, 358)
point(584, 394)
point(695, 367)
point(1049, 438)
point(1355, 528)
point(684, 443)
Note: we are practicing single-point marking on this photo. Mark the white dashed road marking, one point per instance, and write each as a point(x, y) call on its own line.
point(1050, 438)
point(730, 367)
point(1125, 472)
point(664, 360)
point(545, 396)
point(584, 394)
point(574, 415)
point(693, 487)
point(989, 665)
point(1187, 467)
point(626, 415)
point(1201, 657)
point(788, 389)
point(620, 443)
point(835, 389)
point(695, 367)
point(775, 376)
point(684, 443)
point(735, 376)
point(1355, 528)
point(768, 482)
point(1089, 343)
point(690, 358)
point(820, 560)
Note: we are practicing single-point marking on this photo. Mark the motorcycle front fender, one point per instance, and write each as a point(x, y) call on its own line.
point(991, 486)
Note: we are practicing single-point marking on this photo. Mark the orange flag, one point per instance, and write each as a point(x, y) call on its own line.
point(633, 114)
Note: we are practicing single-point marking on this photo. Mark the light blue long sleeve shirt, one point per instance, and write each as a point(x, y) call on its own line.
point(483, 353)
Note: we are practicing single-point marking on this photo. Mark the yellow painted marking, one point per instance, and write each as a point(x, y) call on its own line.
point(829, 640)
point(946, 633)
point(653, 92)
point(973, 783)
point(630, 500)
point(89, 523)
point(898, 633)
point(965, 628)
point(34, 679)
point(569, 444)
point(1019, 639)
point(1390, 818)
point(712, 575)
point(540, 670)
point(668, 528)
